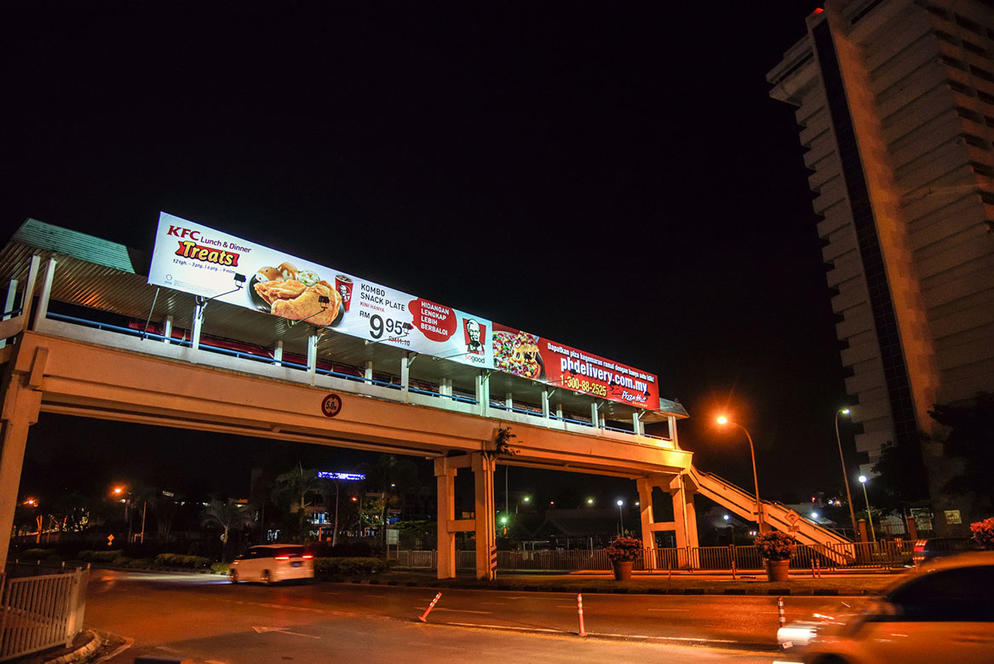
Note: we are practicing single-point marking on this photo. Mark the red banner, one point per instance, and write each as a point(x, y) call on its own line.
point(537, 358)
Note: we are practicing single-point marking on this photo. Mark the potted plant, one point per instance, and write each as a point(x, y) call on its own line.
point(983, 532)
point(776, 548)
point(622, 552)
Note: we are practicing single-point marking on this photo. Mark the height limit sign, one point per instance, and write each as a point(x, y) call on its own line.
point(331, 405)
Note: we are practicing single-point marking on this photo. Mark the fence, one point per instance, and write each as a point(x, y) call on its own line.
point(39, 612)
point(853, 555)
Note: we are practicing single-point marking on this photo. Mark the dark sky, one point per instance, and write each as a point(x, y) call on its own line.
point(615, 178)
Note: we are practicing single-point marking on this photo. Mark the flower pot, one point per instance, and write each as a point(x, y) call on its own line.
point(777, 570)
point(622, 570)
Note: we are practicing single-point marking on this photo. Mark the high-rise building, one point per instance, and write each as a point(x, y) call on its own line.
point(895, 108)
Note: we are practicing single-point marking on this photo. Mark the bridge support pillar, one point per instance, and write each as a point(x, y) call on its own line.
point(445, 475)
point(486, 532)
point(685, 519)
point(649, 545)
point(21, 404)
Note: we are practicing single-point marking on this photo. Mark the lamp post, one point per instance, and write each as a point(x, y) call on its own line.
point(621, 516)
point(845, 474)
point(869, 517)
point(722, 420)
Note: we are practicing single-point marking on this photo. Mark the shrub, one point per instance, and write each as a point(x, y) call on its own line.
point(624, 549)
point(220, 568)
point(136, 563)
point(37, 554)
point(181, 561)
point(983, 532)
point(775, 545)
point(347, 568)
point(100, 556)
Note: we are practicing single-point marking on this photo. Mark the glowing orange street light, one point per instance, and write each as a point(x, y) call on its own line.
point(722, 421)
point(31, 502)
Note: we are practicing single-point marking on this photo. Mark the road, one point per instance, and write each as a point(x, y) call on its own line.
point(209, 620)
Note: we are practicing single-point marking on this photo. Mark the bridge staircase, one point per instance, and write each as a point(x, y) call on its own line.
point(832, 545)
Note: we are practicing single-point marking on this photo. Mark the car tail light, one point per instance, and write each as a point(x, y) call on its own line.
point(282, 557)
point(307, 556)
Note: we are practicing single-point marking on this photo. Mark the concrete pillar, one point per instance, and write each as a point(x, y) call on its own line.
point(486, 533)
point(278, 353)
point(671, 420)
point(167, 330)
point(405, 375)
point(367, 372)
point(559, 411)
point(446, 543)
point(198, 324)
point(509, 401)
point(645, 512)
point(636, 424)
point(685, 520)
point(312, 356)
point(445, 387)
point(483, 392)
point(46, 293)
point(21, 404)
point(545, 404)
point(8, 305)
point(595, 418)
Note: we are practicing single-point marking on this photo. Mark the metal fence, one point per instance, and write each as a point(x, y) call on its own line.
point(854, 555)
point(39, 612)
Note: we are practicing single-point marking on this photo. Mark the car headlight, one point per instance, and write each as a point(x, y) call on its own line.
point(797, 634)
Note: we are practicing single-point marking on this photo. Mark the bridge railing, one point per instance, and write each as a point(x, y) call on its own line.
point(858, 555)
point(40, 612)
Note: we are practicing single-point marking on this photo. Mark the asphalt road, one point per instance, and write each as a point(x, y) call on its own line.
point(211, 621)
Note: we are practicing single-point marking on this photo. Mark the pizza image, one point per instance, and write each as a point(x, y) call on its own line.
point(517, 353)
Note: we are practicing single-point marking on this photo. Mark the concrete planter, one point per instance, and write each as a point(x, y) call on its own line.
point(777, 570)
point(622, 570)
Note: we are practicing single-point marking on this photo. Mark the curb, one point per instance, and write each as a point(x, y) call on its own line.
point(80, 653)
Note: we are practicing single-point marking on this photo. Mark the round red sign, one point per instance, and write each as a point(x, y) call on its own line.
point(332, 405)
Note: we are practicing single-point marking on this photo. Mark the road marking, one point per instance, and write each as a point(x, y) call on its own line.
point(482, 613)
point(259, 629)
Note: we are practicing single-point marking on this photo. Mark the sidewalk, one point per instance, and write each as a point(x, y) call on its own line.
point(749, 582)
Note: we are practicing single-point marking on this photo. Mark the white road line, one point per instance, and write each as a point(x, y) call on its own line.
point(442, 608)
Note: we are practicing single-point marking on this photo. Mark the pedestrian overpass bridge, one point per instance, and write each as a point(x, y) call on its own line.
point(84, 334)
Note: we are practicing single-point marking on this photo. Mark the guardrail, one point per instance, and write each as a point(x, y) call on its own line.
point(40, 612)
point(856, 555)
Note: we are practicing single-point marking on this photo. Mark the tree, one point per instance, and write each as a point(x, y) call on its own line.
point(902, 476)
point(230, 516)
point(970, 439)
point(290, 492)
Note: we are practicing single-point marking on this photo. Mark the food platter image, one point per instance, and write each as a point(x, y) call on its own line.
point(517, 353)
point(297, 295)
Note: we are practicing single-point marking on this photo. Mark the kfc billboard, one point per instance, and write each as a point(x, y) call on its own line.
point(196, 259)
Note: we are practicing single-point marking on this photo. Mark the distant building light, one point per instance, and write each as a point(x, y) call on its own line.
point(350, 477)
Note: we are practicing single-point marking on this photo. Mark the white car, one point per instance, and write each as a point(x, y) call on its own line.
point(943, 612)
point(272, 563)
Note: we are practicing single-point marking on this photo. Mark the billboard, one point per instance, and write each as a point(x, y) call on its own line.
point(197, 259)
point(537, 358)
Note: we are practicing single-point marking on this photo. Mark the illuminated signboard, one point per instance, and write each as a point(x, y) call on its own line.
point(196, 259)
point(351, 477)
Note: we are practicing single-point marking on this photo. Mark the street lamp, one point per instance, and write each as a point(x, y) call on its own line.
point(869, 517)
point(590, 501)
point(621, 516)
point(722, 420)
point(845, 473)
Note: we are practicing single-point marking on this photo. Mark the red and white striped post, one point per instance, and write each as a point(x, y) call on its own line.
point(431, 606)
point(783, 619)
point(579, 613)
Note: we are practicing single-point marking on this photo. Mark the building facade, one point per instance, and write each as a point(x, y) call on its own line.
point(895, 108)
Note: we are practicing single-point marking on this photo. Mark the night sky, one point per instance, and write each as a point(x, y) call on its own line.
point(615, 178)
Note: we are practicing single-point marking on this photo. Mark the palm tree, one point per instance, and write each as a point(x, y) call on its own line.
point(228, 515)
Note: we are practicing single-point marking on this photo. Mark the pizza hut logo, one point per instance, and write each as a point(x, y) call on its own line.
point(331, 405)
